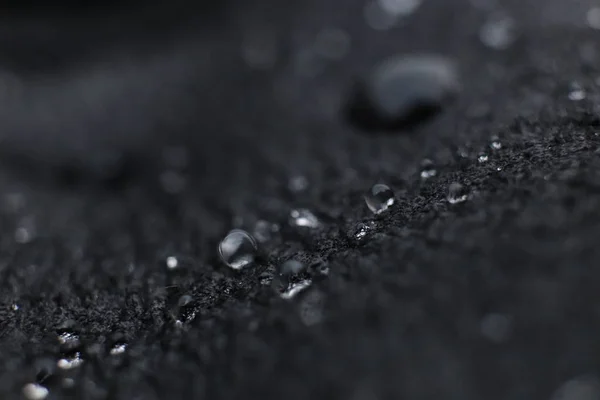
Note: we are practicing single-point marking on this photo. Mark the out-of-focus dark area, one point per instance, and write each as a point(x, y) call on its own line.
point(188, 205)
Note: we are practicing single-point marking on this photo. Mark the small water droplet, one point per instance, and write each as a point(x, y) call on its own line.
point(496, 327)
point(238, 249)
point(402, 92)
point(482, 158)
point(172, 263)
point(457, 193)
point(34, 391)
point(593, 17)
point(428, 169)
point(298, 184)
point(304, 218)
point(70, 362)
point(399, 7)
point(296, 288)
point(499, 32)
point(14, 307)
point(499, 169)
point(67, 337)
point(377, 18)
point(585, 387)
point(284, 279)
point(332, 43)
point(379, 198)
point(118, 348)
point(360, 232)
point(576, 92)
point(185, 309)
point(495, 143)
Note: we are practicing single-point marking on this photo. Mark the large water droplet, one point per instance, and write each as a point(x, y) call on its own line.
point(457, 193)
point(284, 279)
point(428, 169)
point(498, 32)
point(34, 391)
point(238, 249)
point(379, 198)
point(304, 218)
point(403, 92)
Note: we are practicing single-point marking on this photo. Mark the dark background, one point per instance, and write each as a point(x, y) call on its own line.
point(496, 298)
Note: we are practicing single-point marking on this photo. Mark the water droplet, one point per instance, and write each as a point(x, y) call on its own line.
point(496, 327)
point(403, 92)
point(185, 309)
point(499, 32)
point(495, 143)
point(379, 198)
point(576, 92)
point(284, 279)
point(238, 249)
point(332, 43)
point(482, 158)
point(14, 307)
point(296, 288)
point(593, 17)
point(34, 391)
point(377, 18)
point(360, 232)
point(298, 184)
point(428, 169)
point(118, 348)
point(172, 263)
point(400, 7)
point(68, 338)
point(70, 362)
point(586, 387)
point(457, 193)
point(304, 218)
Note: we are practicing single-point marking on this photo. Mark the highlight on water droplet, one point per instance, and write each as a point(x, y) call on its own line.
point(238, 249)
point(73, 361)
point(495, 143)
point(576, 92)
point(304, 218)
point(172, 262)
point(457, 193)
point(482, 158)
point(296, 288)
point(35, 391)
point(118, 348)
point(428, 169)
point(379, 198)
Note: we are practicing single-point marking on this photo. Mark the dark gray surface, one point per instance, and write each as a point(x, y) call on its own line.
point(495, 298)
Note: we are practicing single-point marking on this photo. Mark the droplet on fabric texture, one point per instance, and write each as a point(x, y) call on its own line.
point(379, 198)
point(238, 249)
point(457, 193)
point(403, 92)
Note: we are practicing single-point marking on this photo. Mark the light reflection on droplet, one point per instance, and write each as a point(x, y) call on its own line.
point(379, 198)
point(482, 158)
point(34, 391)
point(296, 288)
point(576, 92)
point(71, 362)
point(457, 193)
point(304, 218)
point(118, 348)
point(428, 169)
point(238, 249)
